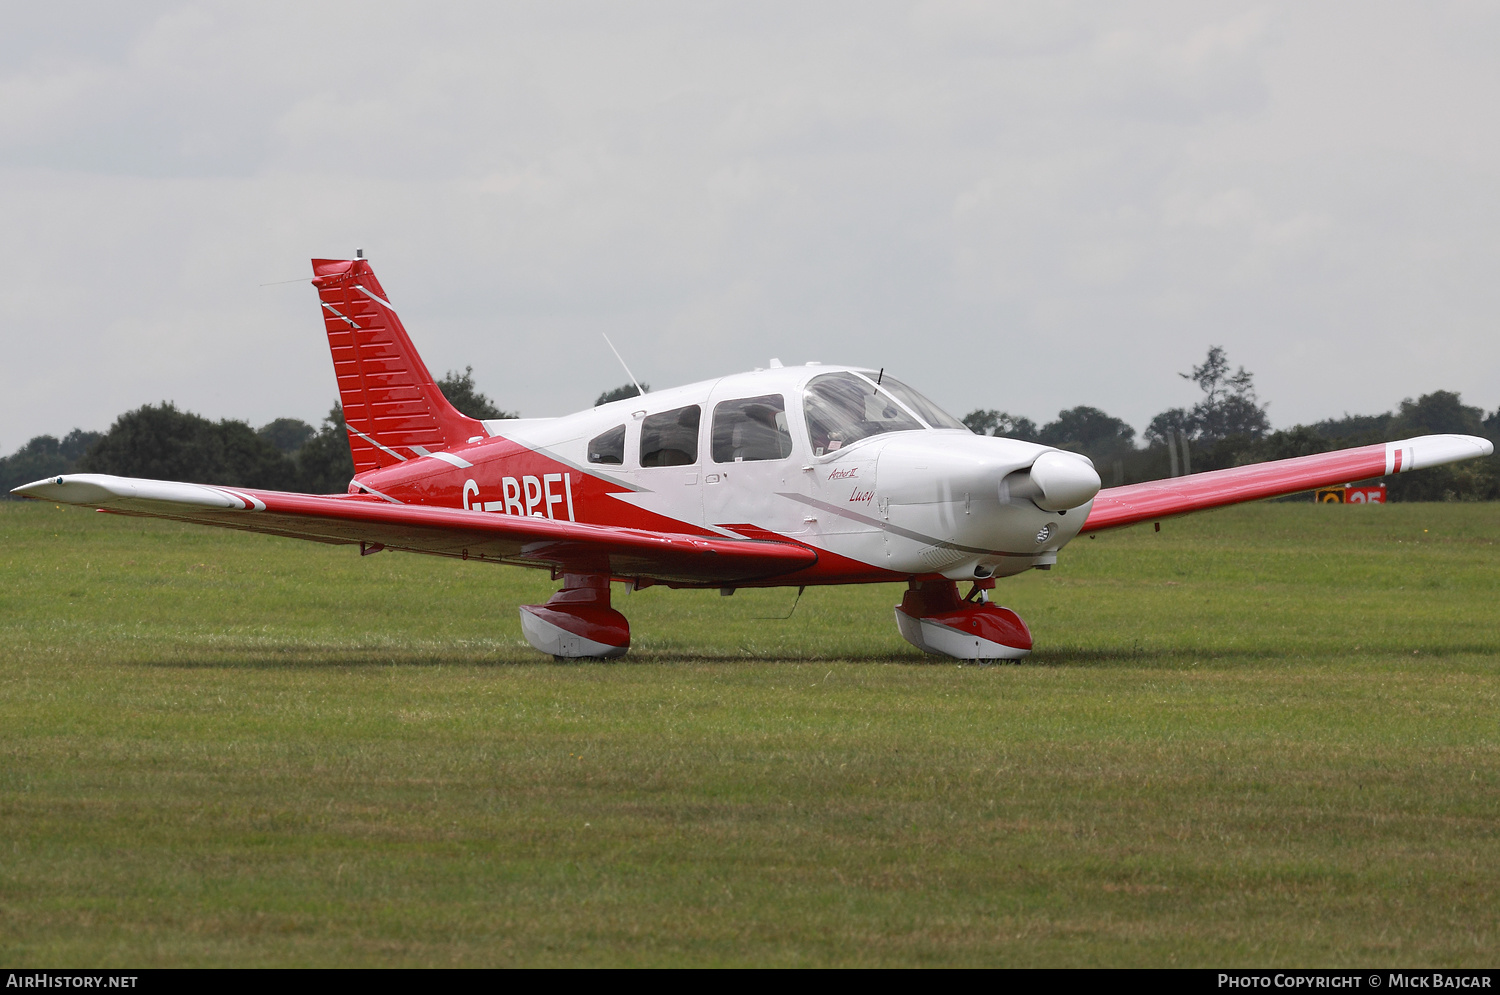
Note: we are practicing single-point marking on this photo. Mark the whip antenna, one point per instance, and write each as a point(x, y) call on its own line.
point(622, 363)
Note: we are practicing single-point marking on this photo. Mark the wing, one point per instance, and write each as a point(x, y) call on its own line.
point(375, 524)
point(1119, 506)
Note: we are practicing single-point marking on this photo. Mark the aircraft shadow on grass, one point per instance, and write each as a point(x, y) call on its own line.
point(1094, 658)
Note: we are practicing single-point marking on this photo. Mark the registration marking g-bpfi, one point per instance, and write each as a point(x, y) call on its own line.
point(525, 496)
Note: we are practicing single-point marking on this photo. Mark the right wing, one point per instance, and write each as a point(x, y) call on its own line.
point(375, 524)
point(1116, 507)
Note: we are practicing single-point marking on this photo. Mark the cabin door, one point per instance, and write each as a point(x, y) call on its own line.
point(752, 467)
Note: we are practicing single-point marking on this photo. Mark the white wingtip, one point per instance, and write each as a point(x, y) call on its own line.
point(1434, 450)
point(101, 490)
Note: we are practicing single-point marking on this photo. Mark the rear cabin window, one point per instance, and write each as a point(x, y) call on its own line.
point(842, 408)
point(670, 438)
point(751, 428)
point(609, 447)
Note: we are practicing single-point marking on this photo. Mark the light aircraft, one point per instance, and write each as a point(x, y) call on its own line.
point(790, 476)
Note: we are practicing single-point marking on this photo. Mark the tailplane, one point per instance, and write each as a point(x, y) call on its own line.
point(393, 409)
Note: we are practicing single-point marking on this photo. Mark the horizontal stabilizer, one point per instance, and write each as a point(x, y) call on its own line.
point(1116, 507)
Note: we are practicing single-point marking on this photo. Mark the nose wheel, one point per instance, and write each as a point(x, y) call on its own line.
point(577, 622)
point(934, 619)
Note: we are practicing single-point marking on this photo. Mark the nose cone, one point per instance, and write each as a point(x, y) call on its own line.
point(1066, 480)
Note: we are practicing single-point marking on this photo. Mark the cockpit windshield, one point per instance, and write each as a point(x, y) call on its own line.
point(934, 416)
point(842, 408)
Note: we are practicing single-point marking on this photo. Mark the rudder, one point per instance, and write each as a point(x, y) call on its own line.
point(392, 407)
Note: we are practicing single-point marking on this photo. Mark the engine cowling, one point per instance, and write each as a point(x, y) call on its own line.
point(967, 506)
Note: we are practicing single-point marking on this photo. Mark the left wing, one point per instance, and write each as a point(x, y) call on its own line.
point(375, 524)
point(1116, 507)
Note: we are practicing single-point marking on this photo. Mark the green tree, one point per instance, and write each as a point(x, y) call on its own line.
point(984, 421)
point(159, 442)
point(44, 456)
point(1299, 440)
point(1356, 430)
point(460, 391)
point(1083, 429)
point(287, 434)
point(620, 393)
point(1442, 412)
point(325, 464)
point(1168, 425)
point(1229, 408)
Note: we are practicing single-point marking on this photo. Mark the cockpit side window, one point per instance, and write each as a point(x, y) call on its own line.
point(609, 447)
point(751, 428)
point(670, 438)
point(842, 408)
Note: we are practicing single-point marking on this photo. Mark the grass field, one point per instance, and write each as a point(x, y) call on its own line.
point(1268, 735)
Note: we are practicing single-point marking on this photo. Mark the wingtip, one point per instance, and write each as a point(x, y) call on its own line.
point(1434, 450)
point(38, 489)
point(89, 490)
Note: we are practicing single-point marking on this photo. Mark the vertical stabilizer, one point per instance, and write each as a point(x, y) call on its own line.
point(392, 407)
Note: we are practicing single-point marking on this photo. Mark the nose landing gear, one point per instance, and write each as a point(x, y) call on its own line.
point(934, 619)
point(577, 621)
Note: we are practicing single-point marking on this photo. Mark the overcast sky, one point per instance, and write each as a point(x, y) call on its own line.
point(1018, 206)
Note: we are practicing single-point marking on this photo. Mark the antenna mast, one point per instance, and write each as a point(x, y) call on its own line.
point(622, 363)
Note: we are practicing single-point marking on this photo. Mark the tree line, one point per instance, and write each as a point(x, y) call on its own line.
point(161, 442)
point(1227, 427)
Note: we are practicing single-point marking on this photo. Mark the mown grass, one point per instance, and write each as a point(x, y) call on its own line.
point(1269, 735)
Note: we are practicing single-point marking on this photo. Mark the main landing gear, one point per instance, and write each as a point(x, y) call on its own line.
point(933, 618)
point(577, 621)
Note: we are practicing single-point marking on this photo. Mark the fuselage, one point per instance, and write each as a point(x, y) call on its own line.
point(880, 482)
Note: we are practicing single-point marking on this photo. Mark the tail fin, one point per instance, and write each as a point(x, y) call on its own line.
point(392, 408)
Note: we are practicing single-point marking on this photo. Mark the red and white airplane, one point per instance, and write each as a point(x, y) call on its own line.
point(784, 477)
